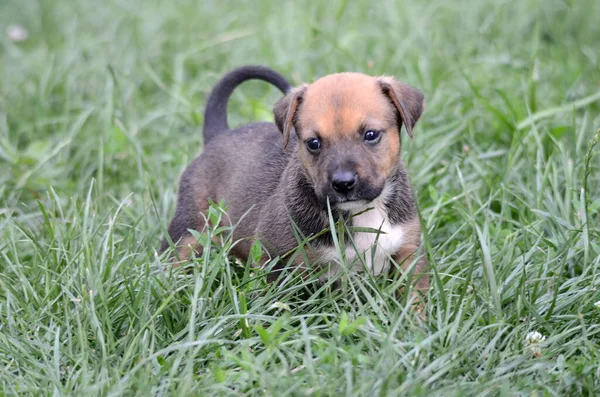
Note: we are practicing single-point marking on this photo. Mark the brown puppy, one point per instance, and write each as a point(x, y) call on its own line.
point(335, 140)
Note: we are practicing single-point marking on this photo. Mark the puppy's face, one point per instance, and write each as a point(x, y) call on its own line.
point(348, 128)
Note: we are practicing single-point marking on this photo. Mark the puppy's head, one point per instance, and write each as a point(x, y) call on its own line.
point(348, 127)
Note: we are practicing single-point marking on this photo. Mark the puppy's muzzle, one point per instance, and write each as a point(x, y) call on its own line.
point(344, 182)
point(345, 186)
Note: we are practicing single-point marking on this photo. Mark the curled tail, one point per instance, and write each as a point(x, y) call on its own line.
point(215, 115)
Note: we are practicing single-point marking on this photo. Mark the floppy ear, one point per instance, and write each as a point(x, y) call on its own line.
point(408, 101)
point(285, 112)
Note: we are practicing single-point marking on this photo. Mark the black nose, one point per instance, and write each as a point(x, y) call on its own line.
point(343, 181)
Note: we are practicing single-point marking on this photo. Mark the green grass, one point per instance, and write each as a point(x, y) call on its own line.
point(101, 110)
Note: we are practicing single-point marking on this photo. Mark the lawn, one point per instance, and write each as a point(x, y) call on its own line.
point(101, 108)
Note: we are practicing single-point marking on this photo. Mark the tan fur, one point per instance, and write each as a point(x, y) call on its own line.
point(185, 248)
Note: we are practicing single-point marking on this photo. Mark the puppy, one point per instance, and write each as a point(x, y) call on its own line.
point(337, 140)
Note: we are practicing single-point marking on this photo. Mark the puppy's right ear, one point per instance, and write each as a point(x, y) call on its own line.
point(285, 112)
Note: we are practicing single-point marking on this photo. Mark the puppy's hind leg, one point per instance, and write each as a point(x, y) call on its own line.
point(188, 216)
point(184, 241)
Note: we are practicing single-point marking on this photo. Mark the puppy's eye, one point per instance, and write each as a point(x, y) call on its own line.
point(313, 144)
point(372, 136)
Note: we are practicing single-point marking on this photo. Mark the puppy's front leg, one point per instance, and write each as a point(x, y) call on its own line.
point(405, 258)
point(419, 277)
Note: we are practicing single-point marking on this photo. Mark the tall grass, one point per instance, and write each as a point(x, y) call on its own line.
point(100, 111)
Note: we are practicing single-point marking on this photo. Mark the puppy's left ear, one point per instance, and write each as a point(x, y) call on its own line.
point(285, 112)
point(408, 101)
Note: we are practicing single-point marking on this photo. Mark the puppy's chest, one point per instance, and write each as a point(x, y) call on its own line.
point(375, 247)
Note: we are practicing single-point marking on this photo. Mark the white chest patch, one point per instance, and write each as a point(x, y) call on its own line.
point(376, 248)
